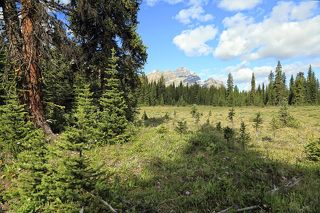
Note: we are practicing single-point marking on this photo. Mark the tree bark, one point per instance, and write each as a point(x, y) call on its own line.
point(32, 70)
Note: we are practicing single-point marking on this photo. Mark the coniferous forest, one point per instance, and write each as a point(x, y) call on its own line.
point(83, 130)
point(300, 90)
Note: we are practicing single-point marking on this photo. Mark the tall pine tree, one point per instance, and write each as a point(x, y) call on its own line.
point(230, 88)
point(279, 85)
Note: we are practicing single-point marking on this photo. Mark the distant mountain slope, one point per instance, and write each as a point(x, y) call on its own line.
point(182, 75)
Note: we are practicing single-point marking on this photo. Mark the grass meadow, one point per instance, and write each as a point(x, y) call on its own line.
point(160, 170)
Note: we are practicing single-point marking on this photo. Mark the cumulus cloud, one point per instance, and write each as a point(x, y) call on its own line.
point(291, 30)
point(237, 5)
point(193, 42)
point(185, 16)
point(153, 2)
point(242, 72)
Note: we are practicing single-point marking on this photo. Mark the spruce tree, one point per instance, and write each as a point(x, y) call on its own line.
point(86, 114)
point(299, 91)
point(230, 87)
point(15, 125)
point(244, 137)
point(279, 85)
point(291, 91)
point(231, 115)
point(26, 193)
point(312, 89)
point(72, 182)
point(270, 99)
point(112, 119)
point(274, 125)
point(257, 121)
point(253, 90)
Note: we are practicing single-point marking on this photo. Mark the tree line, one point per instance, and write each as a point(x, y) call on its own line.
point(301, 90)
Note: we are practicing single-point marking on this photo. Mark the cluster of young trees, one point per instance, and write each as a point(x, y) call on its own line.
point(69, 75)
point(302, 90)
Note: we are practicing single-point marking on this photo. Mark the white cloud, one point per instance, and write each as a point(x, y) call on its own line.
point(185, 16)
point(288, 32)
point(198, 2)
point(63, 1)
point(242, 72)
point(153, 2)
point(237, 5)
point(193, 42)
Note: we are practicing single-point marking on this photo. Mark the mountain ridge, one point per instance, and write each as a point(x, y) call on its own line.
point(184, 75)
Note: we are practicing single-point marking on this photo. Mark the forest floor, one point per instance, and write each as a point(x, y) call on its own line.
point(163, 171)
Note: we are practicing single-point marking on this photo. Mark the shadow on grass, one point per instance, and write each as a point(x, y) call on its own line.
point(210, 175)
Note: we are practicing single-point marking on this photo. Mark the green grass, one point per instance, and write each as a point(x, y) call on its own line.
point(162, 171)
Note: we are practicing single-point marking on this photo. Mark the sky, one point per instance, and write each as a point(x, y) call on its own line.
point(215, 37)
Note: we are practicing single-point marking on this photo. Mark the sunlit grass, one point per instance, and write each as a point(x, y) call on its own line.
point(163, 172)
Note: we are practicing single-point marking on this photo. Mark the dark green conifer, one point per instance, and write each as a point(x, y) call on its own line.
point(15, 125)
point(244, 137)
point(72, 182)
point(26, 193)
point(112, 121)
point(279, 85)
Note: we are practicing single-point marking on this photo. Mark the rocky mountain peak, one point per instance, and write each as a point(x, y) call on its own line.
point(183, 75)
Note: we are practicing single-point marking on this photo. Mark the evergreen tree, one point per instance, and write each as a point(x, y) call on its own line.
point(112, 119)
point(291, 91)
point(98, 26)
point(72, 183)
point(279, 86)
point(253, 90)
point(270, 98)
point(244, 137)
point(181, 127)
point(299, 91)
point(274, 125)
point(26, 193)
point(86, 113)
point(257, 122)
point(231, 115)
point(230, 87)
point(312, 89)
point(15, 126)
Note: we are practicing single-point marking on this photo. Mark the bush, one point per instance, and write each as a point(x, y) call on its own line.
point(208, 138)
point(166, 116)
point(229, 134)
point(313, 150)
point(182, 127)
point(286, 119)
point(144, 116)
point(219, 127)
point(162, 129)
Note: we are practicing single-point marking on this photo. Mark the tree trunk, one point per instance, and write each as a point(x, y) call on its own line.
point(32, 70)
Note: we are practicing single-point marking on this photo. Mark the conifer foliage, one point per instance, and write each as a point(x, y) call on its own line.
point(15, 127)
point(112, 117)
point(26, 193)
point(71, 180)
point(302, 90)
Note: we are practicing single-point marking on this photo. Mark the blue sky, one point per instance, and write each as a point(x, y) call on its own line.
point(215, 37)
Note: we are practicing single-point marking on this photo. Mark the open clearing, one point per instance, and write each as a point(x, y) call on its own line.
point(162, 171)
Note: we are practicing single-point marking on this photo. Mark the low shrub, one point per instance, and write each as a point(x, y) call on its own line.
point(313, 150)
